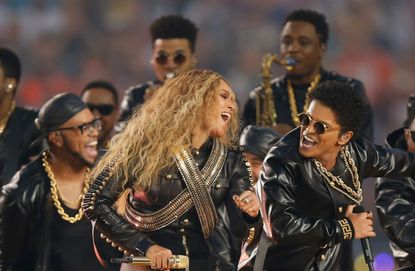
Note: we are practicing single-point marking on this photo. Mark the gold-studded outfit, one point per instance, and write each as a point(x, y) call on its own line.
point(305, 203)
point(290, 99)
point(38, 232)
point(179, 210)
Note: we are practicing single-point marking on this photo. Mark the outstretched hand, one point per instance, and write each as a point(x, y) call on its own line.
point(247, 202)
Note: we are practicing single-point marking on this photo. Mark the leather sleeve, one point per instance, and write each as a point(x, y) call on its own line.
point(278, 182)
point(14, 228)
point(98, 206)
point(395, 204)
point(378, 161)
point(31, 146)
point(132, 97)
point(240, 181)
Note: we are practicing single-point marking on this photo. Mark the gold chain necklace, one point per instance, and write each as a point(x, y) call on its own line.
point(337, 183)
point(3, 122)
point(54, 192)
point(293, 102)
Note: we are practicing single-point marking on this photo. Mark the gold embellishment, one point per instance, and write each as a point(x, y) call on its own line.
point(245, 159)
point(3, 121)
point(184, 201)
point(251, 235)
point(293, 102)
point(54, 192)
point(199, 192)
point(337, 183)
point(346, 229)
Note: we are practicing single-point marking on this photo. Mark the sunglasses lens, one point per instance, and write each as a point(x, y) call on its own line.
point(105, 110)
point(413, 135)
point(319, 127)
point(162, 59)
point(90, 106)
point(304, 119)
point(179, 59)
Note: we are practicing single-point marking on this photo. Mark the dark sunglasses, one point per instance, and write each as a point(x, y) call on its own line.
point(178, 58)
point(319, 126)
point(86, 128)
point(103, 109)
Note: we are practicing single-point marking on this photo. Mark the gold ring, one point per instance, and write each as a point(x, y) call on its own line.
point(247, 200)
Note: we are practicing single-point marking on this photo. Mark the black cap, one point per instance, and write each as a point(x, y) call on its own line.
point(57, 111)
point(258, 140)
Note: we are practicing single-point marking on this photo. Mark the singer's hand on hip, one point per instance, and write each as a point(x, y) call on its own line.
point(159, 257)
point(362, 223)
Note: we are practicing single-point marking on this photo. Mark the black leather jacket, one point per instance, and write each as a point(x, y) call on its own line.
point(233, 180)
point(303, 209)
point(395, 204)
point(16, 142)
point(26, 212)
point(282, 105)
point(133, 97)
point(24, 219)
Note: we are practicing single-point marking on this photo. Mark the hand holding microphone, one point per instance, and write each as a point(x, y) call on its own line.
point(157, 258)
point(363, 227)
point(175, 261)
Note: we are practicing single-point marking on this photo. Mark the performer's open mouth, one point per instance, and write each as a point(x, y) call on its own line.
point(307, 142)
point(226, 116)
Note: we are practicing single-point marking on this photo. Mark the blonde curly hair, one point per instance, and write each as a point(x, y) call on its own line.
point(162, 127)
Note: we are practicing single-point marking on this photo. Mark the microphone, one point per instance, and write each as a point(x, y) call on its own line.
point(175, 261)
point(367, 248)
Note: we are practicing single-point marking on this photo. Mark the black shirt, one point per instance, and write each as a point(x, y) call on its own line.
point(72, 247)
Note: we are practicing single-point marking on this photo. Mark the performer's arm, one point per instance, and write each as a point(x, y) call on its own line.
point(395, 204)
point(241, 186)
point(14, 230)
point(98, 206)
point(379, 161)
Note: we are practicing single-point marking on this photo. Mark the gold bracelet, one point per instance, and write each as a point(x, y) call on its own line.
point(346, 229)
